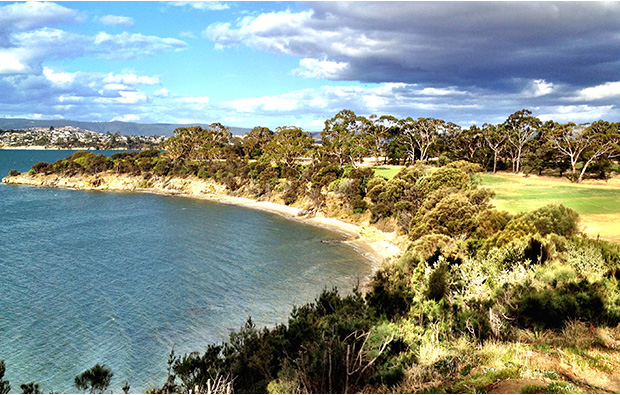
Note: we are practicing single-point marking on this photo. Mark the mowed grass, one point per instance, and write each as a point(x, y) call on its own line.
point(598, 203)
point(387, 171)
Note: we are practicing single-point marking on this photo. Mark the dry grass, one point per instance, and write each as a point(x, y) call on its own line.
point(579, 358)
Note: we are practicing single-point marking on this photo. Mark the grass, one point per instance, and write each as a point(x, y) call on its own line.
point(515, 193)
point(598, 203)
point(387, 171)
point(574, 360)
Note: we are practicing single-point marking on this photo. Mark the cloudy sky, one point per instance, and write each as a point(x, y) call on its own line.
point(284, 63)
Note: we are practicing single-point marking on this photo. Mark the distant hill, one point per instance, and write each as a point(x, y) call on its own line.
point(125, 128)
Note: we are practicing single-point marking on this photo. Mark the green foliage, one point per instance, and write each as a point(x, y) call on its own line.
point(554, 218)
point(445, 177)
point(97, 379)
point(556, 387)
point(467, 167)
point(30, 388)
point(5, 387)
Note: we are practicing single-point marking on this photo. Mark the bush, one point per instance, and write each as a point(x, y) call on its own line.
point(41, 167)
point(445, 177)
point(13, 173)
point(553, 307)
point(554, 218)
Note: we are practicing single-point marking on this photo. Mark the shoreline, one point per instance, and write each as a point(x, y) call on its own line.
point(44, 148)
point(374, 245)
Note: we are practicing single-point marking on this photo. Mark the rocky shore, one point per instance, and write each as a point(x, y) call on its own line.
point(371, 242)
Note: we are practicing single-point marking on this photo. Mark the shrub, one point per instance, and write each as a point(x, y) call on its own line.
point(554, 218)
point(445, 177)
point(467, 167)
point(41, 167)
point(13, 173)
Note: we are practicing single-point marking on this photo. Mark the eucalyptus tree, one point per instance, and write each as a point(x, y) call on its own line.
point(180, 146)
point(288, 145)
point(196, 143)
point(339, 136)
point(381, 130)
point(420, 135)
point(466, 144)
point(569, 140)
point(213, 141)
point(603, 143)
point(255, 141)
point(521, 128)
point(495, 138)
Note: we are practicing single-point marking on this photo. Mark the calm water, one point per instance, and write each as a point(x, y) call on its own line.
point(121, 278)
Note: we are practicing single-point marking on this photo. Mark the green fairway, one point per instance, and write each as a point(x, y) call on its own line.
point(387, 171)
point(598, 204)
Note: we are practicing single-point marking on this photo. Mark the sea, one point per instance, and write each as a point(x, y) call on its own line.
point(121, 278)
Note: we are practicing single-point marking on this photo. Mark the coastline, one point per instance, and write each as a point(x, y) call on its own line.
point(371, 243)
point(45, 148)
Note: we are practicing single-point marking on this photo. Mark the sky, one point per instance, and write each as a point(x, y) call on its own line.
point(273, 64)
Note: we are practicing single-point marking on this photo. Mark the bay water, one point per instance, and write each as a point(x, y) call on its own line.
point(120, 279)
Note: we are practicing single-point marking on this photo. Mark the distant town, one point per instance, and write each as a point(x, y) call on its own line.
point(71, 137)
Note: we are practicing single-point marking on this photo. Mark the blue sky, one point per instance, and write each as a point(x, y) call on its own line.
point(286, 63)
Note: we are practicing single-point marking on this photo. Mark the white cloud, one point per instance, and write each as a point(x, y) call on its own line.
point(537, 88)
point(116, 20)
point(127, 118)
point(193, 99)
point(11, 64)
point(578, 113)
point(127, 46)
point(34, 15)
point(131, 97)
point(441, 92)
point(604, 91)
point(163, 92)
point(58, 78)
point(315, 68)
point(257, 31)
point(131, 79)
point(202, 5)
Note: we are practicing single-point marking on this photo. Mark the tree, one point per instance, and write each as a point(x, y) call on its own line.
point(521, 128)
point(495, 137)
point(96, 378)
point(4, 384)
point(570, 140)
point(254, 142)
point(214, 140)
point(289, 144)
point(381, 129)
point(196, 143)
point(466, 144)
point(604, 142)
point(420, 135)
point(339, 136)
point(180, 147)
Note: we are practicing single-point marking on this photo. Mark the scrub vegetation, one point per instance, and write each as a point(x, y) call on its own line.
point(481, 300)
